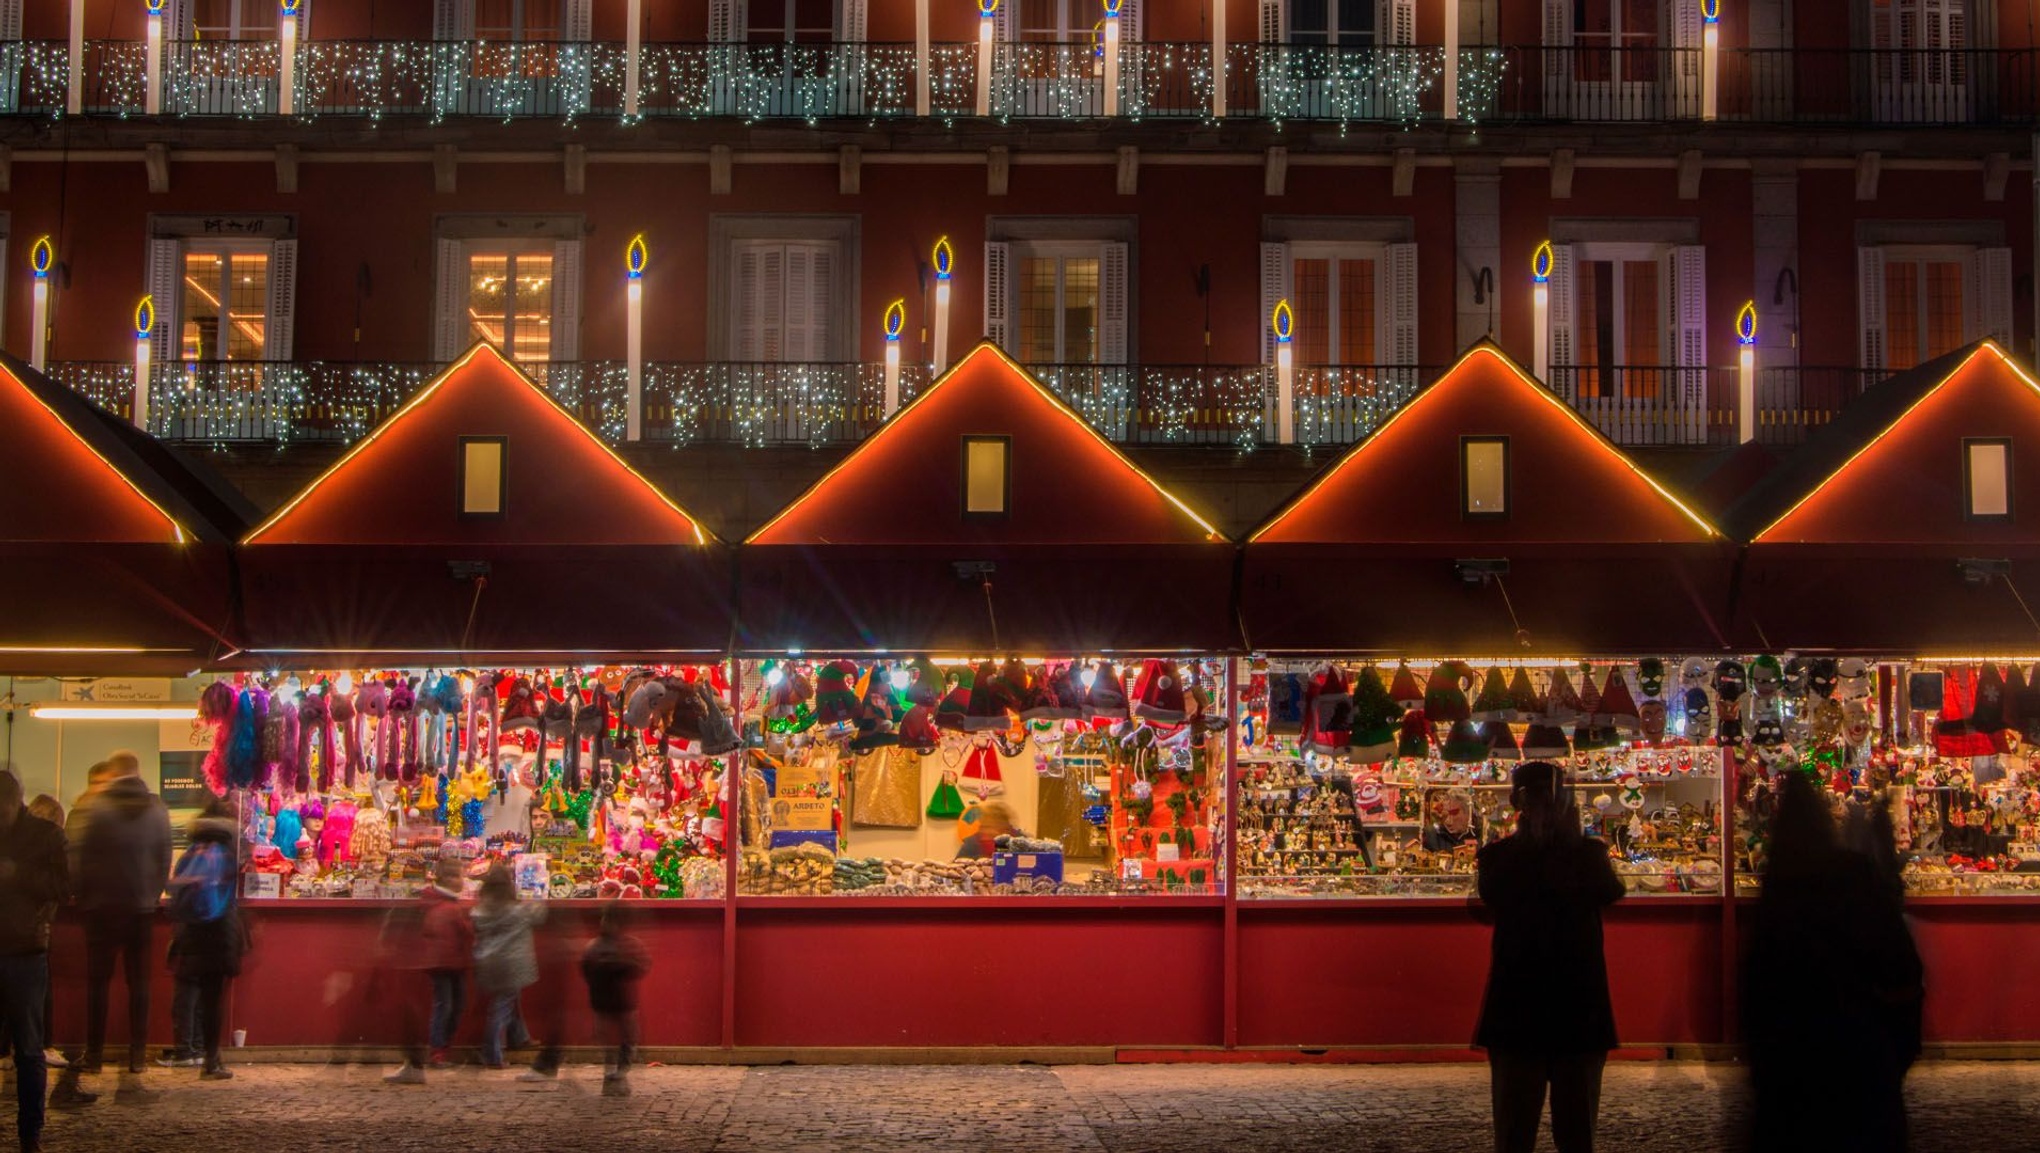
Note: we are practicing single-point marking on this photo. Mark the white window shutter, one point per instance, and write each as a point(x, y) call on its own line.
point(278, 329)
point(577, 23)
point(449, 319)
point(998, 295)
point(1689, 305)
point(1129, 21)
point(1275, 268)
point(747, 316)
point(1870, 305)
point(810, 271)
point(1396, 21)
point(1991, 289)
point(1685, 59)
point(771, 305)
point(166, 281)
point(1558, 25)
point(1114, 314)
point(566, 301)
point(1006, 23)
point(1397, 292)
point(453, 20)
point(728, 21)
point(852, 21)
point(178, 20)
point(1562, 312)
point(10, 19)
point(1271, 22)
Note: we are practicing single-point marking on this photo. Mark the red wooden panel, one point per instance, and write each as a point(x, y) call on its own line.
point(1973, 953)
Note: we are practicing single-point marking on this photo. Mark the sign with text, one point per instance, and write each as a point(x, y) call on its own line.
point(116, 691)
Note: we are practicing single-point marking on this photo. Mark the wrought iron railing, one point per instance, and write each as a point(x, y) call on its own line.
point(1674, 405)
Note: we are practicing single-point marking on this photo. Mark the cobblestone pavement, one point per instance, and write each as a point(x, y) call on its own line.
point(1676, 1108)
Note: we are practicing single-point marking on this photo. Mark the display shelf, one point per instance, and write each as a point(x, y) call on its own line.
point(852, 901)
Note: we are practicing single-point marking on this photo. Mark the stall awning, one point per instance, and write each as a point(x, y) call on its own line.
point(1485, 518)
point(113, 548)
point(1906, 525)
point(481, 522)
point(987, 516)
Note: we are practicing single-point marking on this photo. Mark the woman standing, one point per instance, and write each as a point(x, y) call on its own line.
point(207, 943)
point(1547, 1022)
point(506, 961)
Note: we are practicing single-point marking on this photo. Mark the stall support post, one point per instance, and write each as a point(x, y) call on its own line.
point(74, 80)
point(634, 257)
point(1710, 55)
point(152, 99)
point(921, 101)
point(945, 267)
point(633, 56)
point(1111, 57)
point(984, 67)
point(1230, 811)
point(286, 70)
point(1451, 78)
point(733, 832)
point(40, 258)
point(1218, 93)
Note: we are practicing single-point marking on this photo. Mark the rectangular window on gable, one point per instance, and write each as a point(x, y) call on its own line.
point(1484, 477)
point(1987, 479)
point(484, 482)
point(987, 476)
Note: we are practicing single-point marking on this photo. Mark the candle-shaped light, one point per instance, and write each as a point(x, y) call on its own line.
point(945, 265)
point(1111, 56)
point(1710, 55)
point(1540, 295)
point(145, 327)
point(152, 99)
point(1284, 324)
point(40, 259)
point(895, 320)
point(634, 256)
point(286, 43)
point(1746, 371)
point(988, 11)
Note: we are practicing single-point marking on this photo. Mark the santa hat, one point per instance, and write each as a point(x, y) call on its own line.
point(876, 715)
point(1501, 741)
point(986, 710)
point(924, 683)
point(1463, 744)
point(1617, 708)
point(1544, 741)
point(1012, 686)
point(1413, 739)
point(1374, 717)
point(521, 709)
point(918, 731)
point(836, 693)
point(1062, 693)
point(1562, 704)
point(1040, 702)
point(1158, 693)
point(955, 703)
point(1493, 702)
point(1105, 699)
point(1328, 711)
point(1405, 690)
point(1590, 692)
point(1523, 698)
point(1955, 735)
point(1445, 694)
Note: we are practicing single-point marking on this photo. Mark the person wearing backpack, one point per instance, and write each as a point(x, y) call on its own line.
point(206, 943)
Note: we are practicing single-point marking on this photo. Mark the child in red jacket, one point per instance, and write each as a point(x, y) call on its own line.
point(444, 947)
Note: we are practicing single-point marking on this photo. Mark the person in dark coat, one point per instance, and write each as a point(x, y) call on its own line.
point(1547, 1022)
point(120, 862)
point(613, 966)
point(33, 881)
point(1831, 987)
point(209, 938)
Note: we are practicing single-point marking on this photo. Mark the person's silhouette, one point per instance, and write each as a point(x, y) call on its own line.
point(1546, 1023)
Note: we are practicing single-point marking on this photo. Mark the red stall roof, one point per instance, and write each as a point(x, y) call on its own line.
point(1601, 559)
point(113, 556)
point(378, 560)
point(1091, 554)
point(1857, 540)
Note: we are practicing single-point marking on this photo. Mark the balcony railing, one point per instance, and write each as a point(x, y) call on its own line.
point(1662, 405)
point(1585, 82)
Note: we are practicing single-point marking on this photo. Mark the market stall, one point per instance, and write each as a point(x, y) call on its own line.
point(478, 635)
point(1895, 556)
point(981, 672)
point(1485, 579)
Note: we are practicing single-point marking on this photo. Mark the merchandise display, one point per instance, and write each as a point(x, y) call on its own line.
point(593, 783)
point(1942, 748)
point(1363, 780)
point(956, 778)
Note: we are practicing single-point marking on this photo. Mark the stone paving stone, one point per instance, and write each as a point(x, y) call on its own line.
point(1647, 1108)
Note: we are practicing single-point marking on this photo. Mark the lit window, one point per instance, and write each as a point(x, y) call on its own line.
point(1484, 477)
point(482, 478)
point(1987, 479)
point(987, 475)
point(225, 303)
point(510, 299)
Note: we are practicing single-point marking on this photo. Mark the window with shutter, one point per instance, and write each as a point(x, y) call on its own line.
point(507, 293)
point(566, 301)
point(1275, 287)
point(10, 19)
point(1564, 348)
point(1928, 299)
point(790, 21)
point(1993, 295)
point(1870, 307)
point(998, 295)
point(228, 19)
point(1921, 66)
point(453, 20)
point(1272, 29)
point(1069, 302)
point(166, 278)
point(280, 334)
point(728, 21)
point(1114, 321)
point(784, 292)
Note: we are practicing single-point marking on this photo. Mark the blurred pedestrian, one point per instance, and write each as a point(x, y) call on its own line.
point(120, 862)
point(1832, 986)
point(613, 966)
point(443, 946)
point(33, 883)
point(1547, 1022)
point(207, 935)
point(48, 808)
point(506, 960)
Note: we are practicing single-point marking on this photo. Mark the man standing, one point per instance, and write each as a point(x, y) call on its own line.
point(32, 882)
point(120, 861)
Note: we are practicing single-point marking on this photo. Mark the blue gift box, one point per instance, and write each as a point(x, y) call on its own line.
point(1008, 867)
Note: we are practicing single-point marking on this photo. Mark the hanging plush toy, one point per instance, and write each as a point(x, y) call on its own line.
point(244, 746)
point(216, 706)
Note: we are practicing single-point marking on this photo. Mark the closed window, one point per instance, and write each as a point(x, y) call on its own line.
point(1920, 301)
point(1484, 477)
point(234, 19)
point(1621, 320)
point(1335, 295)
point(987, 475)
point(1987, 479)
point(1058, 303)
point(1057, 21)
point(796, 21)
point(510, 299)
point(1332, 23)
point(513, 20)
point(223, 308)
point(782, 295)
point(1922, 310)
point(1615, 40)
point(484, 480)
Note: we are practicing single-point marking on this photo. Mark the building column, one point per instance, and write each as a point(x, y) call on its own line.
point(1774, 232)
point(1477, 237)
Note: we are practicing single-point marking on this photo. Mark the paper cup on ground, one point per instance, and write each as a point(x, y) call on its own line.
point(240, 1038)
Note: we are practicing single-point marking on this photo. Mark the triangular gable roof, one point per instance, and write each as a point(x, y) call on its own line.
point(1888, 469)
point(94, 478)
point(398, 485)
point(1569, 483)
point(1069, 484)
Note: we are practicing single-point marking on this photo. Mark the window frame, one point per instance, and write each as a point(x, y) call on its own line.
point(1920, 256)
point(1333, 35)
point(1005, 510)
point(188, 247)
point(790, 32)
point(1969, 513)
point(1466, 511)
point(1336, 251)
point(460, 478)
point(1060, 251)
point(510, 248)
point(237, 21)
